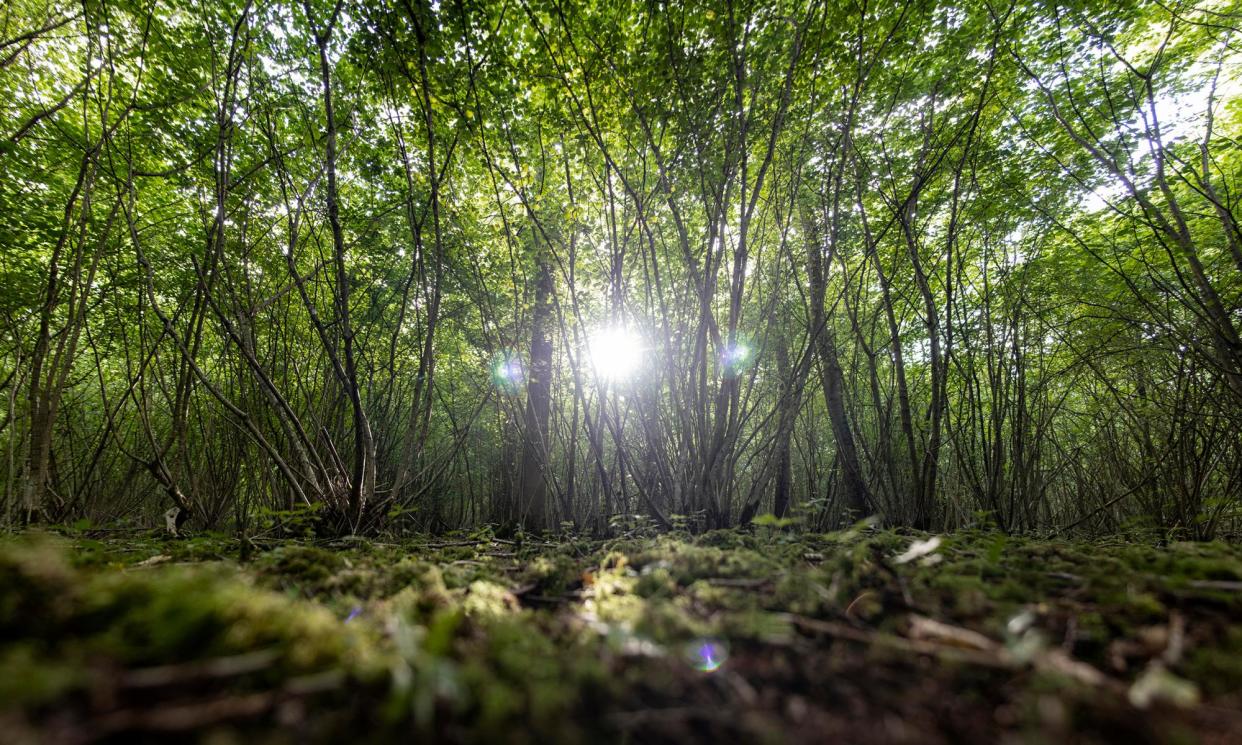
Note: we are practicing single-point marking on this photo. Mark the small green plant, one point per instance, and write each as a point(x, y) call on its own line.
point(773, 524)
point(300, 521)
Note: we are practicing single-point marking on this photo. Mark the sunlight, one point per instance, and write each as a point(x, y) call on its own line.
point(616, 353)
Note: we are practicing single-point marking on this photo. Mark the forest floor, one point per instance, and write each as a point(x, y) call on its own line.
point(858, 636)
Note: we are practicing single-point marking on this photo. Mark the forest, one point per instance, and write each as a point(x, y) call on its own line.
point(634, 371)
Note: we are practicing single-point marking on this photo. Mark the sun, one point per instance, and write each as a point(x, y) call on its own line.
point(616, 353)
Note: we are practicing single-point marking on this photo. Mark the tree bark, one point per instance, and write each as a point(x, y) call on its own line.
point(532, 478)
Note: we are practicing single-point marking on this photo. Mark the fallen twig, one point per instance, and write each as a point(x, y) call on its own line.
point(192, 715)
point(220, 667)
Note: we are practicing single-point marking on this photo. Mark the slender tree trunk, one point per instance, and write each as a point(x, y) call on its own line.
point(857, 498)
point(532, 478)
point(362, 477)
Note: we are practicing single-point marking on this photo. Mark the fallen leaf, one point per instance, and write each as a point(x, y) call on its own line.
point(1158, 684)
point(919, 549)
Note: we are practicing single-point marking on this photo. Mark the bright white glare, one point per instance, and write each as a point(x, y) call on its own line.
point(735, 357)
point(616, 353)
point(736, 354)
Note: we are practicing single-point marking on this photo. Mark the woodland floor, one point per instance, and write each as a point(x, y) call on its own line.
point(818, 638)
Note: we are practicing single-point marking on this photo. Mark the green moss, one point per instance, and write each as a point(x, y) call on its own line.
point(38, 588)
point(656, 582)
point(805, 593)
point(304, 568)
point(524, 686)
point(1135, 604)
point(1218, 670)
point(438, 643)
point(553, 575)
point(423, 594)
point(30, 679)
point(669, 621)
point(964, 594)
point(488, 599)
point(414, 573)
point(758, 625)
point(687, 562)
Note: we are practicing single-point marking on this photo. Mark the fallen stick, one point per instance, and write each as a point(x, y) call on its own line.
point(220, 667)
point(172, 718)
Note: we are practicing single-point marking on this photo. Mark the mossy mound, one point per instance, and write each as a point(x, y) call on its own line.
point(863, 635)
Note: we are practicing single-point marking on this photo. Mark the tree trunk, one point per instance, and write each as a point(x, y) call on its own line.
point(362, 476)
point(857, 498)
point(532, 478)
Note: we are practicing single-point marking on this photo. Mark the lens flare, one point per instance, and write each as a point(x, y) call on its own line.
point(736, 356)
point(508, 373)
point(616, 353)
point(707, 655)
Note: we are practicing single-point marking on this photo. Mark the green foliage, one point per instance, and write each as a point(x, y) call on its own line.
point(999, 246)
point(769, 520)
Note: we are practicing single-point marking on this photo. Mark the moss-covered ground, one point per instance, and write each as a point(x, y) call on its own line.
point(858, 636)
